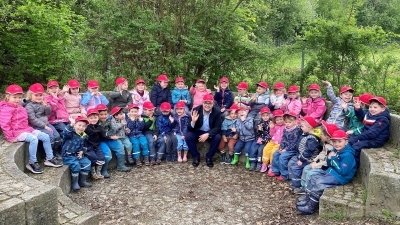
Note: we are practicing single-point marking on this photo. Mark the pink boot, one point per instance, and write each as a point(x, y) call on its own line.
point(263, 168)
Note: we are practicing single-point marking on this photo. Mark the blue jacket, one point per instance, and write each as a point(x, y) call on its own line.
point(72, 141)
point(309, 147)
point(159, 95)
point(376, 127)
point(224, 98)
point(183, 94)
point(338, 115)
point(246, 129)
point(290, 139)
point(164, 125)
point(181, 124)
point(227, 125)
point(135, 127)
point(343, 166)
point(87, 98)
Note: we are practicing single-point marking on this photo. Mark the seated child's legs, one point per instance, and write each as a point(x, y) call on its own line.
point(283, 163)
point(268, 152)
point(144, 145)
point(309, 174)
point(73, 162)
point(318, 183)
point(358, 146)
point(135, 147)
point(174, 146)
point(238, 147)
point(84, 164)
point(260, 148)
point(254, 113)
point(179, 146)
point(100, 157)
point(151, 144)
point(247, 147)
point(106, 151)
point(117, 147)
point(296, 174)
point(275, 163)
point(60, 126)
point(291, 163)
point(33, 144)
point(231, 145)
point(253, 152)
point(304, 175)
point(161, 147)
point(221, 146)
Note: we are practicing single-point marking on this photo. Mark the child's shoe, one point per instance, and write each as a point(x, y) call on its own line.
point(280, 178)
point(247, 162)
point(263, 168)
point(229, 159)
point(146, 161)
point(130, 159)
point(74, 181)
point(235, 159)
point(53, 162)
point(137, 162)
point(299, 191)
point(94, 173)
point(82, 180)
point(98, 171)
point(223, 157)
point(153, 162)
point(253, 166)
point(258, 167)
point(270, 173)
point(34, 168)
point(158, 161)
point(104, 172)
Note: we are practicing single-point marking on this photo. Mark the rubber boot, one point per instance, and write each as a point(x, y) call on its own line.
point(74, 180)
point(82, 180)
point(223, 157)
point(98, 171)
point(302, 201)
point(93, 172)
point(309, 208)
point(247, 162)
point(121, 164)
point(138, 162)
point(104, 170)
point(130, 159)
point(146, 161)
point(229, 159)
point(235, 159)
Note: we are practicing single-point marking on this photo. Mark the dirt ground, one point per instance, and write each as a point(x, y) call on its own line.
point(181, 194)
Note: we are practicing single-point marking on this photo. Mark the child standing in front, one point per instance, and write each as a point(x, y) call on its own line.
point(166, 139)
point(314, 105)
point(223, 95)
point(228, 136)
point(263, 136)
point(181, 94)
point(277, 98)
point(72, 99)
point(259, 100)
point(135, 125)
point(242, 99)
point(14, 124)
point(93, 97)
point(160, 93)
point(119, 129)
point(182, 121)
point(140, 94)
point(199, 90)
point(121, 96)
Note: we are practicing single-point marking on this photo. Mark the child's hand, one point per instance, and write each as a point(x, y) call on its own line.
point(282, 151)
point(224, 138)
point(171, 118)
point(299, 163)
point(65, 88)
point(253, 97)
point(45, 103)
point(357, 104)
point(136, 98)
point(140, 118)
point(55, 95)
point(304, 100)
point(327, 83)
point(216, 88)
point(349, 132)
point(331, 154)
point(183, 137)
point(127, 130)
point(71, 120)
point(165, 139)
point(283, 101)
point(233, 129)
point(223, 110)
point(260, 128)
point(48, 129)
point(114, 137)
point(271, 124)
point(344, 105)
point(313, 165)
point(80, 153)
point(155, 137)
point(99, 93)
point(236, 102)
point(273, 103)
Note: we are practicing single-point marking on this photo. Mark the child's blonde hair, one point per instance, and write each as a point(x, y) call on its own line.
point(28, 95)
point(289, 118)
point(283, 91)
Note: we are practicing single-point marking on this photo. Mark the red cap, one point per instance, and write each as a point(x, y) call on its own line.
point(364, 98)
point(92, 111)
point(224, 79)
point(314, 87)
point(52, 83)
point(290, 114)
point(36, 88)
point(262, 84)
point(163, 77)
point(165, 106)
point(208, 97)
point(293, 89)
point(241, 108)
point(242, 85)
point(378, 99)
point(330, 128)
point(93, 84)
point(346, 88)
point(180, 105)
point(265, 110)
point(81, 118)
point(101, 107)
point(148, 105)
point(277, 112)
point(138, 81)
point(179, 79)
point(14, 89)
point(279, 85)
point(74, 84)
point(339, 134)
point(233, 108)
point(133, 105)
point(310, 120)
point(119, 81)
point(115, 110)
point(200, 81)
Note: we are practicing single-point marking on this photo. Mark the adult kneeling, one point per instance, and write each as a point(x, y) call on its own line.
point(205, 125)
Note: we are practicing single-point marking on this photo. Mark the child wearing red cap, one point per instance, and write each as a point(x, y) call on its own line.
point(182, 121)
point(341, 169)
point(314, 105)
point(59, 116)
point(119, 129)
point(93, 97)
point(242, 99)
point(199, 90)
point(356, 126)
point(14, 124)
point(160, 93)
point(263, 136)
point(228, 136)
point(223, 95)
point(181, 94)
point(278, 96)
point(149, 130)
point(72, 99)
point(120, 95)
point(292, 103)
point(259, 100)
point(167, 142)
point(140, 94)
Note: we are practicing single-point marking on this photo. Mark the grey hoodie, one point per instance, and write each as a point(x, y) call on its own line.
point(37, 113)
point(117, 128)
point(245, 129)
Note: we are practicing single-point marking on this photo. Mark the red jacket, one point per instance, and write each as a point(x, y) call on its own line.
point(13, 120)
point(58, 111)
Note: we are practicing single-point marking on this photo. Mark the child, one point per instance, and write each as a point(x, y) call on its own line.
point(308, 150)
point(167, 141)
point(160, 93)
point(376, 126)
point(287, 148)
point(38, 110)
point(72, 99)
point(73, 152)
point(119, 129)
point(276, 100)
point(263, 136)
point(245, 128)
point(243, 98)
point(135, 125)
point(276, 128)
point(314, 105)
point(140, 94)
point(341, 169)
point(150, 131)
point(199, 90)
point(121, 96)
point(96, 135)
point(319, 163)
point(59, 115)
point(111, 144)
point(293, 102)
point(259, 100)
point(228, 136)
point(356, 126)
point(337, 115)
point(181, 94)
point(14, 123)
point(181, 128)
point(92, 98)
point(223, 95)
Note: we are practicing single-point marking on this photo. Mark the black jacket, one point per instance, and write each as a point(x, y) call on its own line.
point(96, 135)
point(159, 95)
point(214, 121)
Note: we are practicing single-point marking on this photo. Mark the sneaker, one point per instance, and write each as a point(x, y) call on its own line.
point(53, 163)
point(253, 166)
point(270, 173)
point(299, 191)
point(280, 178)
point(258, 167)
point(146, 161)
point(153, 162)
point(158, 161)
point(34, 168)
point(263, 168)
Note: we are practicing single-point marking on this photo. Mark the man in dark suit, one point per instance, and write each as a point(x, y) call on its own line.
point(205, 125)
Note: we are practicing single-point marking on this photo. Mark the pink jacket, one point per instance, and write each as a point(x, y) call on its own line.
point(58, 111)
point(198, 96)
point(315, 109)
point(277, 133)
point(73, 105)
point(292, 105)
point(137, 99)
point(13, 120)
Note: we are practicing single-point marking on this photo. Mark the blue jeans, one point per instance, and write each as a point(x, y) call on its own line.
point(112, 145)
point(280, 163)
point(247, 147)
point(308, 172)
point(55, 138)
point(358, 145)
point(96, 156)
point(295, 171)
point(191, 140)
point(152, 145)
point(318, 183)
point(33, 144)
point(161, 148)
point(126, 143)
point(169, 147)
point(77, 165)
point(182, 145)
point(139, 142)
point(256, 152)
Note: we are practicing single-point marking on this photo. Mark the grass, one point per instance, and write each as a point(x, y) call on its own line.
point(337, 215)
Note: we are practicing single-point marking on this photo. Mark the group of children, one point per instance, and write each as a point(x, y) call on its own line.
point(281, 133)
